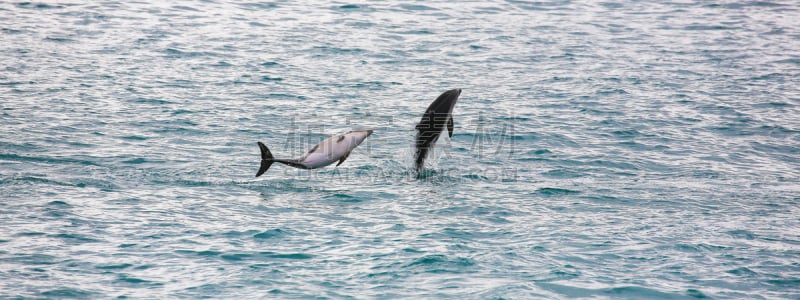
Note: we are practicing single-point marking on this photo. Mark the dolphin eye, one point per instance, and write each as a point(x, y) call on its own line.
point(341, 137)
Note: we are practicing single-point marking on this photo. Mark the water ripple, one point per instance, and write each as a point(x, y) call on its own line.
point(614, 149)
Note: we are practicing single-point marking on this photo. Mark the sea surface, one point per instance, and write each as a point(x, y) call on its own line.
point(619, 149)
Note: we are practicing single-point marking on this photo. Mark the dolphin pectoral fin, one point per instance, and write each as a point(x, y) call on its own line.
point(450, 126)
point(341, 160)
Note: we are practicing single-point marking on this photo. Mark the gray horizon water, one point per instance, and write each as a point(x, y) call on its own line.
point(623, 149)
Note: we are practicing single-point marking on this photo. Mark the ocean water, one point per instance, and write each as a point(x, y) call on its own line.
point(619, 149)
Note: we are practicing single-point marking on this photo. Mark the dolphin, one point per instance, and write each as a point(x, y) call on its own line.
point(335, 148)
point(438, 116)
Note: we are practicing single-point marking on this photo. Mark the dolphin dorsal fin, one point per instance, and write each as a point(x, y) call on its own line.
point(313, 149)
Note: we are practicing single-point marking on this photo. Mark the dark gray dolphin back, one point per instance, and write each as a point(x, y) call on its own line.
point(437, 117)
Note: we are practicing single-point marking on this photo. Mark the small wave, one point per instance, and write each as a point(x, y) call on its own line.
point(556, 191)
point(69, 293)
point(136, 281)
point(416, 32)
point(291, 256)
point(628, 292)
point(199, 253)
point(745, 4)
point(701, 247)
point(606, 92)
point(247, 256)
point(75, 238)
point(341, 197)
point(47, 159)
point(786, 282)
point(742, 234)
point(416, 7)
point(175, 53)
point(270, 234)
point(564, 173)
point(260, 5)
point(336, 50)
point(35, 180)
point(113, 266)
point(539, 5)
point(134, 138)
point(743, 272)
point(439, 263)
point(271, 79)
point(539, 152)
point(136, 161)
point(11, 31)
point(150, 101)
point(270, 64)
point(30, 233)
point(709, 27)
point(31, 259)
point(33, 5)
point(285, 96)
point(265, 256)
point(351, 7)
point(186, 8)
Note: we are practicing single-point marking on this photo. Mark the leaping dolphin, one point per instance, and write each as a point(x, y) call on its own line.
point(335, 148)
point(438, 116)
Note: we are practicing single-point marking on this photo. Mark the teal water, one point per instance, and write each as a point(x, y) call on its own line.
point(624, 149)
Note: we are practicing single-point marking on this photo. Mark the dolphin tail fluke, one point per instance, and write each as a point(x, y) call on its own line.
point(266, 159)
